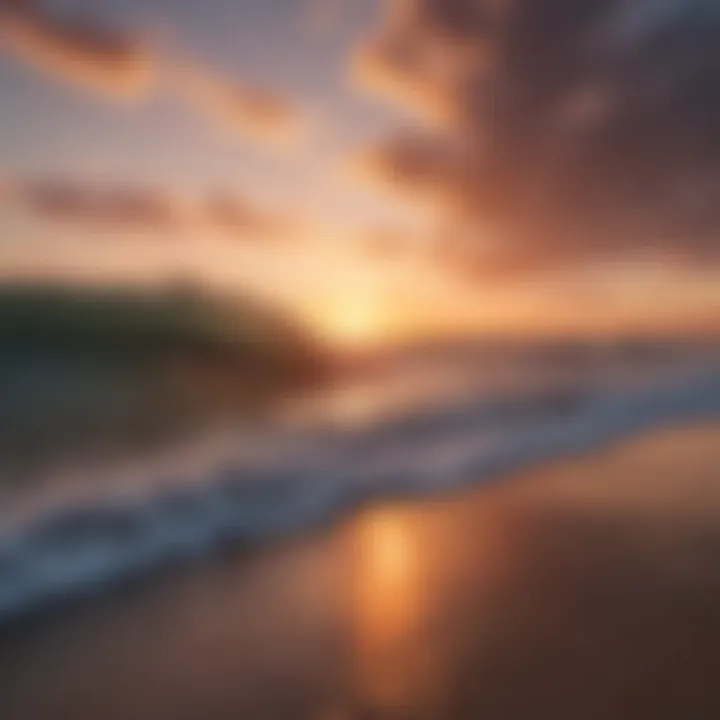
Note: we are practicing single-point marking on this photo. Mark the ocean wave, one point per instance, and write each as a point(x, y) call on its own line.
point(300, 480)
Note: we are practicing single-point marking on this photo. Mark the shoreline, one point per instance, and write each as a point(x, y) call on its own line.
point(585, 588)
point(99, 547)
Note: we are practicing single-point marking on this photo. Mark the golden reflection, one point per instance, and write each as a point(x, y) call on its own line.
point(392, 600)
point(389, 575)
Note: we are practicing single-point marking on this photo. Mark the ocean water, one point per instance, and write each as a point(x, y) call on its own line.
point(423, 423)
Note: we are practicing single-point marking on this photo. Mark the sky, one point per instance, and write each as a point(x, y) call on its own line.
point(381, 168)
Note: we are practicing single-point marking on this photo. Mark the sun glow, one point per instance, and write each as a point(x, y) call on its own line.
point(352, 321)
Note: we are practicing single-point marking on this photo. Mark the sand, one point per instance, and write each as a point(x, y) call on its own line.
point(587, 589)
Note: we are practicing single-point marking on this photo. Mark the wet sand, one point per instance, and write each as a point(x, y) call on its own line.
point(588, 589)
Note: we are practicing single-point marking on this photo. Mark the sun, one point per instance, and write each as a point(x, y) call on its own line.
point(353, 321)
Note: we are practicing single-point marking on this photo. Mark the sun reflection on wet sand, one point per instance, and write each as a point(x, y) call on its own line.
point(390, 597)
point(418, 572)
point(399, 659)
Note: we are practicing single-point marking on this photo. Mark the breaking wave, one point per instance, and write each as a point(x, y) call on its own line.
point(285, 479)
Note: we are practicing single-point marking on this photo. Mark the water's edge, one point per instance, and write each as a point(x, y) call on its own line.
point(70, 554)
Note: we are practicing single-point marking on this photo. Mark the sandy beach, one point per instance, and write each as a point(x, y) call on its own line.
point(586, 589)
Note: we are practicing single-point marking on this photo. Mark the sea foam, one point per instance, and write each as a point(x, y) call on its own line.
point(296, 477)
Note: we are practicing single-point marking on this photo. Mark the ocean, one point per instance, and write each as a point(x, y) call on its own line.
point(424, 422)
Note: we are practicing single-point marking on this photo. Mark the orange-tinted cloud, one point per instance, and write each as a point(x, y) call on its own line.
point(574, 130)
point(237, 215)
point(147, 209)
point(410, 61)
point(242, 108)
point(118, 64)
point(425, 166)
point(106, 60)
point(106, 207)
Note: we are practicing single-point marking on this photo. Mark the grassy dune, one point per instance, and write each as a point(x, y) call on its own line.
point(94, 371)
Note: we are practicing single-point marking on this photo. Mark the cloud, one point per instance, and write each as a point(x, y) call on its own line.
point(119, 64)
point(77, 49)
point(412, 59)
point(117, 206)
point(570, 130)
point(237, 215)
point(422, 165)
point(242, 108)
point(107, 207)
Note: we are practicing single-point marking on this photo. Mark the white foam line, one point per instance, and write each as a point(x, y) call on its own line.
point(74, 553)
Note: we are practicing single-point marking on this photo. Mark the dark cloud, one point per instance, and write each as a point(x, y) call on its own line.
point(571, 129)
point(76, 48)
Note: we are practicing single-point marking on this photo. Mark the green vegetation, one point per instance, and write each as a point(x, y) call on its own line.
point(91, 372)
point(57, 317)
